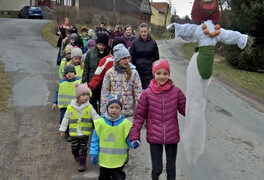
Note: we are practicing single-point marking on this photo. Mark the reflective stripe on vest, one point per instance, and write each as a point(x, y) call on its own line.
point(113, 151)
point(84, 124)
point(112, 143)
point(66, 93)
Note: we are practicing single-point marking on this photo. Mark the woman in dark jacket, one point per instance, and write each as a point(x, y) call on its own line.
point(62, 34)
point(144, 51)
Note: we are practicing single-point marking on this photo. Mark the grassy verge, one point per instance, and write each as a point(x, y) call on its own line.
point(251, 81)
point(5, 88)
point(49, 35)
point(157, 36)
point(8, 16)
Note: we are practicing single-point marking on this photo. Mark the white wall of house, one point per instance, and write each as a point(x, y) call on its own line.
point(77, 4)
point(14, 5)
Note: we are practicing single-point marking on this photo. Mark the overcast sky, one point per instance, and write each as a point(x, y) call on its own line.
point(183, 7)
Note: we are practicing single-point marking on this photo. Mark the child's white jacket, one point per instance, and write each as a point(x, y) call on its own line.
point(80, 109)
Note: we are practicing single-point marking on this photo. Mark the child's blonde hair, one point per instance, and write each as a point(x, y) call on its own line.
point(81, 64)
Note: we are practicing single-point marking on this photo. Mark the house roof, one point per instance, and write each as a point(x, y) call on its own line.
point(161, 6)
point(139, 5)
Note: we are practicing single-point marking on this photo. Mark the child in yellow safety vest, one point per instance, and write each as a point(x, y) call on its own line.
point(65, 92)
point(79, 116)
point(110, 143)
point(65, 61)
point(76, 61)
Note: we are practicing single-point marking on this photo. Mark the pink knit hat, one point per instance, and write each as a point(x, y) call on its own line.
point(156, 65)
point(81, 89)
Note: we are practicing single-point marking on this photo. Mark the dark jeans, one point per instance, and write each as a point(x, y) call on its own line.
point(96, 96)
point(112, 174)
point(156, 151)
point(59, 58)
point(79, 145)
point(62, 112)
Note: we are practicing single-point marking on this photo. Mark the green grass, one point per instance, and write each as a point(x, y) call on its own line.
point(49, 34)
point(5, 88)
point(188, 49)
point(158, 36)
point(8, 16)
point(251, 81)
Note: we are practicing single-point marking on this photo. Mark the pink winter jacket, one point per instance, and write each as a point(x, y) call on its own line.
point(161, 112)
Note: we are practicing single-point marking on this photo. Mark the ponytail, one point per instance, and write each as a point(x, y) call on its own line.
point(129, 73)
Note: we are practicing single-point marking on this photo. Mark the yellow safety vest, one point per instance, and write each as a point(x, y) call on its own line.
point(112, 143)
point(79, 72)
point(84, 123)
point(66, 93)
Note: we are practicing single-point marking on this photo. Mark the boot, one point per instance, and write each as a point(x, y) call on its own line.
point(82, 166)
point(77, 158)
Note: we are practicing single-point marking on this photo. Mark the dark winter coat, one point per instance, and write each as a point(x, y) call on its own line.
point(91, 62)
point(143, 55)
point(161, 112)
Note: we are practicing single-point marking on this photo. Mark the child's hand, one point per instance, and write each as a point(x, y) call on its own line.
point(62, 134)
point(135, 144)
point(94, 159)
point(54, 107)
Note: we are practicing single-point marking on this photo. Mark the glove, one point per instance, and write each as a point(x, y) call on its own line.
point(135, 143)
point(94, 159)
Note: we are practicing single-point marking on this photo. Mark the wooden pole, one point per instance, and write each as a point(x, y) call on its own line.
point(190, 171)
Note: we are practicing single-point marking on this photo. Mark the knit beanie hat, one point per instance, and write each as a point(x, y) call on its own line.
point(91, 43)
point(81, 89)
point(156, 65)
point(84, 28)
point(118, 40)
point(76, 52)
point(69, 68)
point(73, 36)
point(103, 39)
point(68, 49)
point(91, 32)
point(120, 51)
point(114, 98)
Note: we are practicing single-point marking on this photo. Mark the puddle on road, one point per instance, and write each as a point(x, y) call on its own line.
point(31, 91)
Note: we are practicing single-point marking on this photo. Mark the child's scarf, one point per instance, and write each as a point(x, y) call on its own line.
point(159, 89)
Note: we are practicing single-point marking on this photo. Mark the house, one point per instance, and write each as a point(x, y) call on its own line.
point(136, 8)
point(15, 5)
point(161, 13)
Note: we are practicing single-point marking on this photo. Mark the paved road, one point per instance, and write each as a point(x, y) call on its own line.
point(234, 146)
point(32, 149)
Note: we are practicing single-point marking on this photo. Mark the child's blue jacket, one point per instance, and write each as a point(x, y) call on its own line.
point(94, 149)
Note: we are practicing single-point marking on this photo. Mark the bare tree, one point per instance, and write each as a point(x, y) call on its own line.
point(166, 15)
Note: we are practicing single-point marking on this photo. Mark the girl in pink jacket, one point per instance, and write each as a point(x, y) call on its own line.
point(159, 104)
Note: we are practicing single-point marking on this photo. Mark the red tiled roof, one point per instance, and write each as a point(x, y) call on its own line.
point(160, 6)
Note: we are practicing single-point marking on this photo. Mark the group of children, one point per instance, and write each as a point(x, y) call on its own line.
point(122, 96)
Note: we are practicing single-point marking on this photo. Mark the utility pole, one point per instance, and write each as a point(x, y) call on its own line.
point(114, 12)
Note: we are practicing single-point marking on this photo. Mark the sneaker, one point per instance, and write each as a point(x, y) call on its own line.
point(69, 139)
